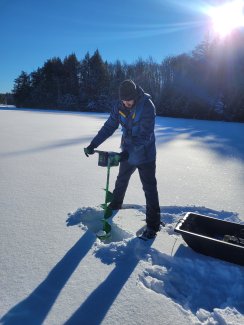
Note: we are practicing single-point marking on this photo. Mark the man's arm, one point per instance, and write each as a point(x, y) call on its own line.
point(107, 129)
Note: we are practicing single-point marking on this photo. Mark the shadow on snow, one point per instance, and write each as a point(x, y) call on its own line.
point(96, 306)
point(195, 281)
point(34, 309)
point(226, 139)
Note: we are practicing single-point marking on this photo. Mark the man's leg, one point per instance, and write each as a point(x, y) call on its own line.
point(147, 175)
point(121, 184)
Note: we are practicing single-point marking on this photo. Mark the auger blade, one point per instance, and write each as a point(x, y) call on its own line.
point(109, 196)
point(108, 213)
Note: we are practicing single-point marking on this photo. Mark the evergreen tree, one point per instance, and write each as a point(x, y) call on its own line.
point(98, 76)
point(70, 85)
point(22, 90)
point(53, 76)
point(85, 81)
point(95, 82)
point(37, 88)
point(117, 74)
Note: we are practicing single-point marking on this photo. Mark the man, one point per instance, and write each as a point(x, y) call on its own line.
point(136, 115)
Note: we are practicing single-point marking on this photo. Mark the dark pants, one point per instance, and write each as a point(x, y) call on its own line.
point(149, 184)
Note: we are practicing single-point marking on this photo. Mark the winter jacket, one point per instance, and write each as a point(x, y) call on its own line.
point(137, 123)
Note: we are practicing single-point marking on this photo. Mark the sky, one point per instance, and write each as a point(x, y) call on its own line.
point(33, 31)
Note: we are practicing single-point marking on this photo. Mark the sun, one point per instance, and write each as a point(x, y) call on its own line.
point(227, 17)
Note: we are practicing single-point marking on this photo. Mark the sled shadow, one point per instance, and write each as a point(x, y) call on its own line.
point(34, 309)
point(197, 283)
point(96, 306)
point(219, 284)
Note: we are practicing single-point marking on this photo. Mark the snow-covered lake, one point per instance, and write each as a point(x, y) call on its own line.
point(55, 271)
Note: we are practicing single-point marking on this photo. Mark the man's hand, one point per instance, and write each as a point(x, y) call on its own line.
point(89, 150)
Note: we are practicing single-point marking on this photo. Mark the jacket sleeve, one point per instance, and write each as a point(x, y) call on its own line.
point(147, 123)
point(107, 129)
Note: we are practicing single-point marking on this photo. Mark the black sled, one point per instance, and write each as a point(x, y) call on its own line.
point(213, 237)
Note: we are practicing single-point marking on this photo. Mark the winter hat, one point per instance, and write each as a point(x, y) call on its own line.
point(127, 90)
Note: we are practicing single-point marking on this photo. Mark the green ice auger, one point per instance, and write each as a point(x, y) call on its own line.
point(107, 159)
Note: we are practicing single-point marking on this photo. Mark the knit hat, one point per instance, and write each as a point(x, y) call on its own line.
point(127, 90)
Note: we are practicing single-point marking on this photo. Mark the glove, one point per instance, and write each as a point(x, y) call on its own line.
point(89, 150)
point(124, 155)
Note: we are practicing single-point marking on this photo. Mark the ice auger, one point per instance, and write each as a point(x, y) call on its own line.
point(107, 159)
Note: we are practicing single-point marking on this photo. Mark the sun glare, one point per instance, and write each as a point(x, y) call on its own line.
point(227, 17)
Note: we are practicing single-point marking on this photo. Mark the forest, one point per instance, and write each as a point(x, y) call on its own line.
point(207, 83)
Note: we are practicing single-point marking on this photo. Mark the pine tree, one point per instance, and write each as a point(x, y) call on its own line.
point(22, 90)
point(53, 74)
point(98, 76)
point(117, 73)
point(94, 82)
point(70, 84)
point(37, 88)
point(84, 81)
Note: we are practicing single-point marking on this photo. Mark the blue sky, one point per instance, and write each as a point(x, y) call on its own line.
point(32, 31)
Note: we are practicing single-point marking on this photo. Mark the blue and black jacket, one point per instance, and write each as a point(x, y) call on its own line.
point(138, 137)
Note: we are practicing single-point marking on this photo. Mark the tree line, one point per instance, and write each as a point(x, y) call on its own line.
point(208, 83)
point(6, 99)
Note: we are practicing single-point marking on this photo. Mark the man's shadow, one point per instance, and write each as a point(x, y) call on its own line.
point(95, 307)
point(34, 309)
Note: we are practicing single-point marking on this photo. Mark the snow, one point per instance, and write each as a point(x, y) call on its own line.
point(53, 268)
